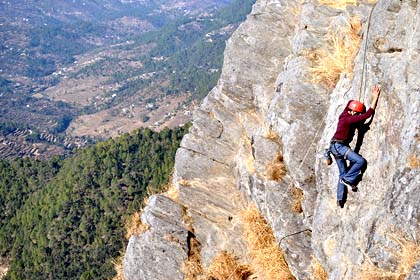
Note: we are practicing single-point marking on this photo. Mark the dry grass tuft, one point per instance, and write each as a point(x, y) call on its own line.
point(118, 266)
point(193, 269)
point(330, 62)
point(413, 161)
point(275, 170)
point(270, 134)
point(134, 226)
point(267, 258)
point(371, 272)
point(225, 266)
point(407, 256)
point(172, 192)
point(338, 4)
point(184, 183)
point(318, 271)
point(297, 199)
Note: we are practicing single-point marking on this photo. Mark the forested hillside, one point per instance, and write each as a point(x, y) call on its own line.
point(64, 218)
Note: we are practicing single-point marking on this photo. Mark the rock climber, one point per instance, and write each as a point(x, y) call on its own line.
point(352, 118)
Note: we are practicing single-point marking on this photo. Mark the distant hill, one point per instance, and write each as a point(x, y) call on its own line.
point(102, 68)
point(39, 36)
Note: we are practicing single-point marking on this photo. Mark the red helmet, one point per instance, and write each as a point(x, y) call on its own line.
point(357, 106)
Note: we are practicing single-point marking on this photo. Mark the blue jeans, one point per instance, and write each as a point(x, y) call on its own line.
point(353, 172)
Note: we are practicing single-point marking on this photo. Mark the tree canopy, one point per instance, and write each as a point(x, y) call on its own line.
point(63, 218)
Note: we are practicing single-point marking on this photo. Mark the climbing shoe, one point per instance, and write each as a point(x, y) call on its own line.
point(349, 185)
point(340, 203)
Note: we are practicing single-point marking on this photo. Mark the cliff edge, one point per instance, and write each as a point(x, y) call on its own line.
point(258, 138)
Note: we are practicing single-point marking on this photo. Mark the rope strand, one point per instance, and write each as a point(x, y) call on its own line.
point(362, 79)
point(362, 84)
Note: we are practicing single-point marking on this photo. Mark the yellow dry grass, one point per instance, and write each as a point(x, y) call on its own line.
point(413, 161)
point(342, 4)
point(338, 57)
point(270, 134)
point(172, 192)
point(184, 183)
point(297, 199)
point(118, 266)
point(275, 170)
point(226, 266)
point(407, 257)
point(318, 270)
point(371, 272)
point(192, 268)
point(134, 226)
point(338, 4)
point(409, 254)
point(266, 256)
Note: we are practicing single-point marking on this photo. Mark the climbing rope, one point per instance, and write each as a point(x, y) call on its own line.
point(362, 85)
point(363, 80)
point(295, 233)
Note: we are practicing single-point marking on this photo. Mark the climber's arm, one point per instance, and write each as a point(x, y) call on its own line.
point(376, 91)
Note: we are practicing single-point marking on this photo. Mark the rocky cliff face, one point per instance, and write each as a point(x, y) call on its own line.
point(266, 112)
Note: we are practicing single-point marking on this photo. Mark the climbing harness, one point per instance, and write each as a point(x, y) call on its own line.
point(336, 154)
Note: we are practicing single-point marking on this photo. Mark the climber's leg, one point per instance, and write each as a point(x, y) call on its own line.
point(342, 168)
point(357, 167)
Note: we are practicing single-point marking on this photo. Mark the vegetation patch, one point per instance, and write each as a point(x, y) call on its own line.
point(64, 219)
point(407, 255)
point(338, 4)
point(134, 226)
point(318, 270)
point(118, 267)
point(276, 169)
point(338, 56)
point(267, 259)
point(172, 191)
point(193, 269)
point(342, 4)
point(413, 161)
point(297, 199)
point(226, 266)
point(272, 135)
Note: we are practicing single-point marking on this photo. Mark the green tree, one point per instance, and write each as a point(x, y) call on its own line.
point(63, 219)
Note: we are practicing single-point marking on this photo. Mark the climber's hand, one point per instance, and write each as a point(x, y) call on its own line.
point(375, 95)
point(376, 91)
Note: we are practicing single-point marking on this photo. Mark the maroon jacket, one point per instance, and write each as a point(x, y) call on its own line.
point(347, 124)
